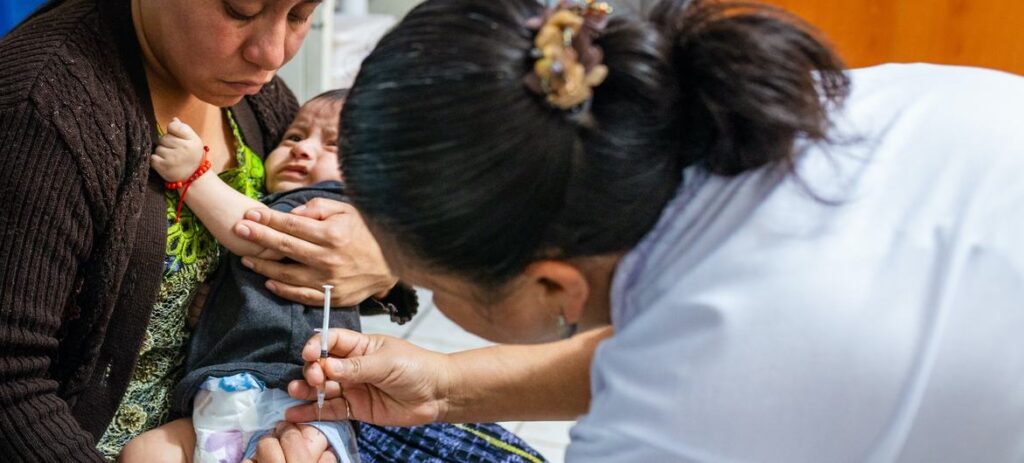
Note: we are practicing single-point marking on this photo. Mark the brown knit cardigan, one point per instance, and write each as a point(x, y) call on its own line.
point(82, 224)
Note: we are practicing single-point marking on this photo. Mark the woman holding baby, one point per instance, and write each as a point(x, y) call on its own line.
point(98, 269)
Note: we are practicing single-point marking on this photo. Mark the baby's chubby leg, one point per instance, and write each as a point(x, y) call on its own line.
point(173, 442)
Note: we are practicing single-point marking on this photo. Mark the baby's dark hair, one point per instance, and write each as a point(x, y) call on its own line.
point(448, 152)
point(333, 96)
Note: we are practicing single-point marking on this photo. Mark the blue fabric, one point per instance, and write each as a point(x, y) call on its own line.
point(441, 443)
point(433, 443)
point(13, 11)
point(233, 383)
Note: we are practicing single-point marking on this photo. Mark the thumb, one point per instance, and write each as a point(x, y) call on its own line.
point(372, 369)
point(181, 130)
point(322, 208)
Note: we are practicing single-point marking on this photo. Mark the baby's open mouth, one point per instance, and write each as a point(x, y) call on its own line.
point(295, 169)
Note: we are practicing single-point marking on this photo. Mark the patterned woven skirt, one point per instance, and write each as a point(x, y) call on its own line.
point(443, 443)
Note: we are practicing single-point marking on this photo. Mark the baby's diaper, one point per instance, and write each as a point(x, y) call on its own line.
point(231, 413)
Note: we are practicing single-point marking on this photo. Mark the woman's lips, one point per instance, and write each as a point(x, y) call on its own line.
point(245, 87)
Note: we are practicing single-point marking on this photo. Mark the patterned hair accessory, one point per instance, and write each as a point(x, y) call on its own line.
point(568, 63)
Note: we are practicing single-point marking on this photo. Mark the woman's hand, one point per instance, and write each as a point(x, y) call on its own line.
point(377, 379)
point(329, 243)
point(291, 443)
point(179, 153)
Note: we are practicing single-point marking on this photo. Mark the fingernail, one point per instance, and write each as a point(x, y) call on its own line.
point(253, 215)
point(243, 231)
point(300, 208)
point(271, 286)
point(246, 261)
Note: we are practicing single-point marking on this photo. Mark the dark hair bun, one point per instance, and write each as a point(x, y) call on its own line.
point(752, 79)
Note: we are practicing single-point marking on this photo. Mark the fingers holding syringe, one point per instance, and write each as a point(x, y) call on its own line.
point(340, 343)
point(328, 371)
point(314, 374)
point(337, 408)
point(302, 390)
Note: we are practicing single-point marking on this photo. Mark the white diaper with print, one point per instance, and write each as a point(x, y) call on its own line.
point(231, 413)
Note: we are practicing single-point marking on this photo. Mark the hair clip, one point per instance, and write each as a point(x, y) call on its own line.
point(568, 65)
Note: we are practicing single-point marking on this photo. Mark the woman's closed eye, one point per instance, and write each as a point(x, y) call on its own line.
point(302, 12)
point(238, 13)
point(297, 18)
point(299, 14)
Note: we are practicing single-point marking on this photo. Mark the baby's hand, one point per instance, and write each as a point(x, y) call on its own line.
point(179, 153)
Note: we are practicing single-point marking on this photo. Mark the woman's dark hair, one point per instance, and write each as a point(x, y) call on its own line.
point(449, 153)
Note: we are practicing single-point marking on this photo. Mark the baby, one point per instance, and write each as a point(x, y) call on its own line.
point(247, 344)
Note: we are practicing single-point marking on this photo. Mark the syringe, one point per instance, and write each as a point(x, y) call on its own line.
point(324, 333)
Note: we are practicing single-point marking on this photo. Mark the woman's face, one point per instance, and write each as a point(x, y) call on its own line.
point(517, 317)
point(521, 312)
point(222, 50)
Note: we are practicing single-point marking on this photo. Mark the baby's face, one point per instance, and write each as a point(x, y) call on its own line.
point(308, 153)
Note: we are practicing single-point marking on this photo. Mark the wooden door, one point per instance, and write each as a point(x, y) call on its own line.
point(987, 33)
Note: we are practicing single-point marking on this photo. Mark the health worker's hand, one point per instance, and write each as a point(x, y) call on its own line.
point(373, 378)
point(329, 244)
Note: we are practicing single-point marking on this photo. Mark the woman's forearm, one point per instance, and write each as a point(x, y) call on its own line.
point(522, 382)
point(220, 207)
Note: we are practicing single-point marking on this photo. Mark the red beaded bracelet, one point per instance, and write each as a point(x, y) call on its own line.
point(204, 166)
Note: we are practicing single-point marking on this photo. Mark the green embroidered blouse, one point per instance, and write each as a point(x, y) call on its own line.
point(191, 255)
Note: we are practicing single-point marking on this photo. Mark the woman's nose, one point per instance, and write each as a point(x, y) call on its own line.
point(266, 48)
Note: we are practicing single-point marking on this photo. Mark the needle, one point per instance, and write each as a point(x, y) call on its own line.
point(320, 393)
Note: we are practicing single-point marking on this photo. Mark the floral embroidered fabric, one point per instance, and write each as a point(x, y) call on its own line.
point(191, 255)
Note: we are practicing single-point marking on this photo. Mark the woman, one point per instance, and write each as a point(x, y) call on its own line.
point(97, 273)
point(797, 263)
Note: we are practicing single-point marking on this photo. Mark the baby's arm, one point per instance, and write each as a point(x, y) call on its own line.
point(173, 442)
point(215, 203)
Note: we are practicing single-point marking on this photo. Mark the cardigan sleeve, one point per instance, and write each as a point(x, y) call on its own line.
point(46, 232)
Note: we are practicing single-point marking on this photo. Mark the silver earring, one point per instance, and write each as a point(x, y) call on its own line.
point(565, 330)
